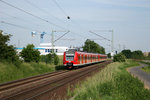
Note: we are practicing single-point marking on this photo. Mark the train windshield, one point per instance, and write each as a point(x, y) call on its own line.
point(69, 57)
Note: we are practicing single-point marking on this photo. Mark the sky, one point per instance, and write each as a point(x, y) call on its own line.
point(129, 19)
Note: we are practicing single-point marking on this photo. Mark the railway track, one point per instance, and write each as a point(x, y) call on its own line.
point(48, 83)
point(12, 84)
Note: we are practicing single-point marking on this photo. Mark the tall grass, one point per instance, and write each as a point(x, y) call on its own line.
point(9, 72)
point(111, 83)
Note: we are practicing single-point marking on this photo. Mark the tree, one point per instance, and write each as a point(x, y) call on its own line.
point(137, 54)
point(127, 53)
point(91, 46)
point(109, 55)
point(50, 58)
point(119, 58)
point(29, 54)
point(7, 52)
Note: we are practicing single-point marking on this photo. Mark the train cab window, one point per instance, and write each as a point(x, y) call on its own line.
point(69, 57)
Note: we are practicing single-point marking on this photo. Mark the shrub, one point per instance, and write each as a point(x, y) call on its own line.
point(119, 58)
point(29, 54)
point(50, 58)
point(56, 59)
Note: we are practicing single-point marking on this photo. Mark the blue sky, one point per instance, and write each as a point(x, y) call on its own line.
point(130, 20)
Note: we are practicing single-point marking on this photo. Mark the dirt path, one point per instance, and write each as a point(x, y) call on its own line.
point(143, 76)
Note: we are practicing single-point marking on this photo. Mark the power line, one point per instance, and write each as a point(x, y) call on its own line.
point(31, 14)
point(48, 13)
point(61, 8)
point(19, 26)
point(68, 17)
point(17, 18)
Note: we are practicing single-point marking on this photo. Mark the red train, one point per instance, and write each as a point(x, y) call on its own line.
point(73, 58)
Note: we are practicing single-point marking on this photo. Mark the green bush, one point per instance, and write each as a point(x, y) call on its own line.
point(119, 58)
point(50, 58)
point(29, 54)
point(56, 59)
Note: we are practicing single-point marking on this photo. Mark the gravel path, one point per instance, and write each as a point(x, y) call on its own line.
point(143, 76)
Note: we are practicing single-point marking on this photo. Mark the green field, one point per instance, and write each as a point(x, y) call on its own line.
point(9, 72)
point(111, 83)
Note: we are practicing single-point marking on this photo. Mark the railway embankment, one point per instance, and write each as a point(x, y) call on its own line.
point(111, 83)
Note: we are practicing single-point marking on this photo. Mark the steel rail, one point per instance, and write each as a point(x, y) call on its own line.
point(15, 83)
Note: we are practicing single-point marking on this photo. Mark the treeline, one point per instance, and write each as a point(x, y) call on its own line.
point(28, 54)
point(138, 54)
point(128, 54)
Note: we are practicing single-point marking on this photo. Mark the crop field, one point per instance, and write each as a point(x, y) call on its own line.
point(111, 83)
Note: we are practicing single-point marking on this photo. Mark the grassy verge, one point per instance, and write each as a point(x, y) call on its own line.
point(9, 72)
point(146, 69)
point(112, 83)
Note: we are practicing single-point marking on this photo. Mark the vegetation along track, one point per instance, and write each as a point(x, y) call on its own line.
point(38, 89)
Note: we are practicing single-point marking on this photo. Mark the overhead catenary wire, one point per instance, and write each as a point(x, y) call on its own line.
point(19, 26)
point(61, 8)
point(22, 10)
point(42, 10)
point(68, 17)
point(32, 14)
point(17, 18)
point(48, 12)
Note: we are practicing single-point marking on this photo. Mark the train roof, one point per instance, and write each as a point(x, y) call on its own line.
point(71, 51)
point(90, 53)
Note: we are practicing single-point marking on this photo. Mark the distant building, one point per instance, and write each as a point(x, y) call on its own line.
point(46, 48)
point(146, 54)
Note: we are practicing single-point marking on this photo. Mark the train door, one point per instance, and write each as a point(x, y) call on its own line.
point(85, 58)
point(82, 58)
point(91, 58)
point(78, 58)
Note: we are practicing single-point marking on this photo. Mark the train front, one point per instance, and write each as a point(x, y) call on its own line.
point(68, 59)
